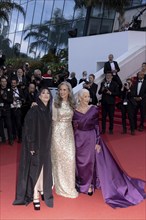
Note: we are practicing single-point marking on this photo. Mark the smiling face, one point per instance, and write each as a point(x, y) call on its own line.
point(64, 92)
point(45, 96)
point(84, 98)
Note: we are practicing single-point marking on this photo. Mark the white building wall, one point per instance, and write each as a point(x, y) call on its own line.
point(88, 53)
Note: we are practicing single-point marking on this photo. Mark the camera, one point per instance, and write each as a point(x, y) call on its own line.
point(126, 84)
point(105, 87)
point(27, 64)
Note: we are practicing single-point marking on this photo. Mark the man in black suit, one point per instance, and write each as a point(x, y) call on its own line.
point(72, 80)
point(112, 66)
point(92, 88)
point(108, 90)
point(140, 98)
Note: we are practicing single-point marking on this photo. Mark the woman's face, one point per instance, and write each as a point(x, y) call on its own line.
point(85, 98)
point(64, 92)
point(45, 96)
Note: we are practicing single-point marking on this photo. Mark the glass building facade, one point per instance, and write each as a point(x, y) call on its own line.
point(59, 16)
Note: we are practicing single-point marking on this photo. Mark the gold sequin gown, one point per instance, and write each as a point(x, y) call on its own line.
point(63, 151)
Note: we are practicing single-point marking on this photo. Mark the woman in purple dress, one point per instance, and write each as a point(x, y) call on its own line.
point(95, 166)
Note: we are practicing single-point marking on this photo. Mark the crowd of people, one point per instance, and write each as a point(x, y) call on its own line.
point(19, 88)
point(61, 140)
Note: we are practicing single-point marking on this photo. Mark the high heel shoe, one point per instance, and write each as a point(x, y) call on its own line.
point(36, 205)
point(90, 193)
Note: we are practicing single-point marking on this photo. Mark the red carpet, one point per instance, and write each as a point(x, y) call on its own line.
point(129, 150)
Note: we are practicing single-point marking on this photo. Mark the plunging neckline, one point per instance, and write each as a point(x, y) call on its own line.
point(86, 111)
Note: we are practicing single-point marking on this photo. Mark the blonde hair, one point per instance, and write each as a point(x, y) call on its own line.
point(58, 100)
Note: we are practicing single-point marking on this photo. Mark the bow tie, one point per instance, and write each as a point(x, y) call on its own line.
point(140, 81)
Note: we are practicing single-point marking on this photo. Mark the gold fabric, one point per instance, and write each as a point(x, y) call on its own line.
point(63, 152)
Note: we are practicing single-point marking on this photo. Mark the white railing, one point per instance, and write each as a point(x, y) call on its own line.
point(130, 64)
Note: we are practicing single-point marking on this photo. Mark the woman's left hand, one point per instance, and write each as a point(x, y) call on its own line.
point(33, 104)
point(98, 148)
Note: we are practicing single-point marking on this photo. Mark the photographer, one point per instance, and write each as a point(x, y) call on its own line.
point(16, 114)
point(109, 90)
point(6, 98)
point(92, 87)
point(127, 105)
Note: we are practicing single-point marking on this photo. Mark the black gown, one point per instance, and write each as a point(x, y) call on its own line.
point(37, 137)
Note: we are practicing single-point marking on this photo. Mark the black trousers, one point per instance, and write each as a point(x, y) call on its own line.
point(16, 122)
point(140, 106)
point(108, 109)
point(5, 119)
point(128, 110)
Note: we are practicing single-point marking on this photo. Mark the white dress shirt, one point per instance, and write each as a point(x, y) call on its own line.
point(139, 86)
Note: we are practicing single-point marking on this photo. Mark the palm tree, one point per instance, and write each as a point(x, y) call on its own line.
point(6, 7)
point(5, 45)
point(118, 5)
point(40, 34)
point(48, 35)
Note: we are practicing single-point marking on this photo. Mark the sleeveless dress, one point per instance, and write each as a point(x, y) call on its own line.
point(101, 170)
point(63, 151)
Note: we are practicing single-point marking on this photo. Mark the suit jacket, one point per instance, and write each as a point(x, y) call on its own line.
point(107, 98)
point(129, 96)
point(142, 92)
point(93, 91)
point(73, 82)
point(107, 67)
point(6, 99)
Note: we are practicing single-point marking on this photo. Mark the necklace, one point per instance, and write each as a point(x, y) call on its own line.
point(83, 109)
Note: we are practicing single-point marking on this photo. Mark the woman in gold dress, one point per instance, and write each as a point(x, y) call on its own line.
point(63, 146)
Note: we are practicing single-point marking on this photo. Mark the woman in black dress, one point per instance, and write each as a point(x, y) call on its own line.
point(35, 170)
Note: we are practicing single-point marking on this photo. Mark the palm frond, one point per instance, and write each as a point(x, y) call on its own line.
point(7, 6)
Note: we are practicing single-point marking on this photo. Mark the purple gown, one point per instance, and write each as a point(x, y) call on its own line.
point(100, 169)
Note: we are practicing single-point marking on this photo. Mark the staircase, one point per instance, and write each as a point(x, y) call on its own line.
point(118, 118)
